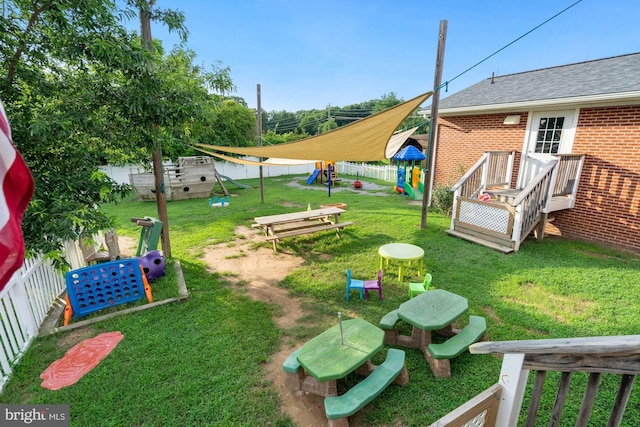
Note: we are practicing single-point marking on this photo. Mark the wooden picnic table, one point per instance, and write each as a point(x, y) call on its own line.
point(277, 227)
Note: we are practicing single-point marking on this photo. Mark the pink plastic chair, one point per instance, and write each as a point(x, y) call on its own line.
point(372, 285)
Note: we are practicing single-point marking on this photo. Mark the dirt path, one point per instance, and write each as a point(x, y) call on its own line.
point(257, 272)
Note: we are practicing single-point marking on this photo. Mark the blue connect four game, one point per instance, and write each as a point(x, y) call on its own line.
point(106, 284)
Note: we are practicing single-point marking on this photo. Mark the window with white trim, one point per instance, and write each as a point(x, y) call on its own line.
point(549, 135)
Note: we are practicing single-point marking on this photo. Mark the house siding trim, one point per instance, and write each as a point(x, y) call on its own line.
point(615, 99)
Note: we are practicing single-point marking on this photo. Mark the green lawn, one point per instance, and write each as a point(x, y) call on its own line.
point(200, 362)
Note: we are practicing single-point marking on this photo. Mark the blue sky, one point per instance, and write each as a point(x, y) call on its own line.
point(310, 54)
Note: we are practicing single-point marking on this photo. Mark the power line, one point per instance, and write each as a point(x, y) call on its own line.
point(446, 84)
point(347, 118)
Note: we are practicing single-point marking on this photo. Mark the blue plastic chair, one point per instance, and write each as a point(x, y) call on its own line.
point(354, 284)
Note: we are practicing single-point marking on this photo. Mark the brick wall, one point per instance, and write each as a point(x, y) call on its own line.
point(607, 209)
point(462, 140)
point(607, 206)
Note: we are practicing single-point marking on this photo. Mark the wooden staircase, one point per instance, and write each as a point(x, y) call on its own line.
point(505, 221)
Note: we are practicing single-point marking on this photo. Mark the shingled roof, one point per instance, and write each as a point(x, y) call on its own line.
point(599, 80)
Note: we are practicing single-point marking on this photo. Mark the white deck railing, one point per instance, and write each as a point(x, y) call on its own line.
point(492, 170)
point(615, 356)
point(508, 221)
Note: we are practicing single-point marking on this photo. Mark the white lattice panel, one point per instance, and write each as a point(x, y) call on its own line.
point(477, 421)
point(484, 216)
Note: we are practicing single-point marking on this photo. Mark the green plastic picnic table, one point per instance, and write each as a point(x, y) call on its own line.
point(324, 358)
point(433, 310)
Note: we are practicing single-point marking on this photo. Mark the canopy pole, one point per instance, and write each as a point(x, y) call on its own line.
point(435, 100)
point(259, 121)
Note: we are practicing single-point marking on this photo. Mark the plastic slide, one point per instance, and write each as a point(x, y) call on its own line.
point(414, 193)
point(237, 184)
point(313, 176)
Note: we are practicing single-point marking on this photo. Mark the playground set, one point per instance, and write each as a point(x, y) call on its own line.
point(191, 178)
point(327, 170)
point(409, 158)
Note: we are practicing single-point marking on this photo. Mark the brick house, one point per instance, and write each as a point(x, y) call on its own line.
point(578, 123)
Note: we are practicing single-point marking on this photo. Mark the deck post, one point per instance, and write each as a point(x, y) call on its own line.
point(540, 227)
point(513, 379)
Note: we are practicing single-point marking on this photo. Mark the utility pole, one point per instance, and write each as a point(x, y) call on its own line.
point(435, 100)
point(161, 197)
point(260, 144)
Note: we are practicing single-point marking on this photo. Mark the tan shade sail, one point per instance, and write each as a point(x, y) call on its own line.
point(396, 142)
point(288, 162)
point(269, 162)
point(364, 140)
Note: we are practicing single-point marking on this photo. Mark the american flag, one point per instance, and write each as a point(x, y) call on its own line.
point(15, 193)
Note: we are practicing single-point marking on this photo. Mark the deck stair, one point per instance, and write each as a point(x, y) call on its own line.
point(511, 214)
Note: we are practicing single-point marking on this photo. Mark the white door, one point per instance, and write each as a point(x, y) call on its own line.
point(548, 133)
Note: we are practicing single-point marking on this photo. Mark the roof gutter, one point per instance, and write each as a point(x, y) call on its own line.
point(603, 100)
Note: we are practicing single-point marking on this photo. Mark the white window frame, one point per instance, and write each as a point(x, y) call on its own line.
point(529, 158)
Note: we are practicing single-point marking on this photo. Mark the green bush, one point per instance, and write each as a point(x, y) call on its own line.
point(442, 200)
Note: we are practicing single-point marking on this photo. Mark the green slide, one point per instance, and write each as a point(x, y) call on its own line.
point(414, 193)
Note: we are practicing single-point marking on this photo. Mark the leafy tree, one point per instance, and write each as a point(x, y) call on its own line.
point(351, 113)
point(420, 122)
point(329, 125)
point(238, 99)
point(311, 122)
point(387, 101)
point(232, 125)
point(79, 90)
point(280, 121)
point(272, 138)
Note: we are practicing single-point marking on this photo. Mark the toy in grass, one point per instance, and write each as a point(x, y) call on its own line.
point(224, 201)
point(79, 360)
point(357, 184)
point(152, 264)
point(104, 285)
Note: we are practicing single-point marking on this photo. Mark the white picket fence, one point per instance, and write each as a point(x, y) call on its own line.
point(24, 304)
point(364, 170)
point(120, 174)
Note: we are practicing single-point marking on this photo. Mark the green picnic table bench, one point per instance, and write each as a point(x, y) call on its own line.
point(388, 325)
point(458, 343)
point(338, 408)
point(293, 372)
